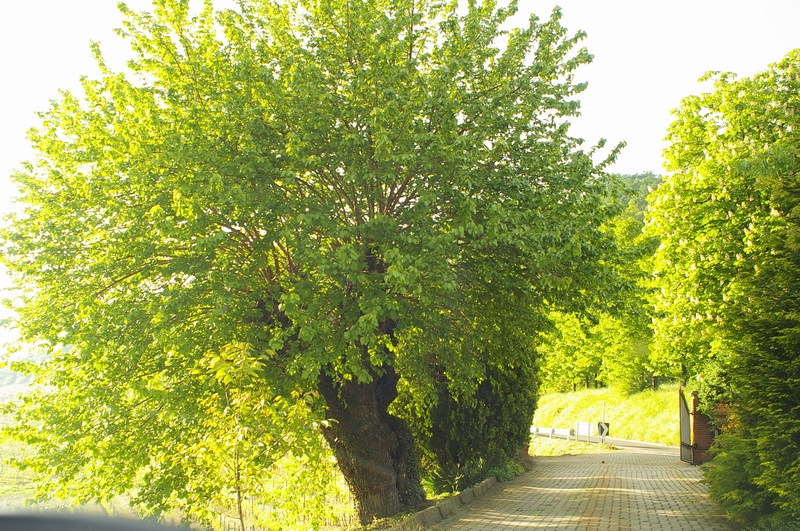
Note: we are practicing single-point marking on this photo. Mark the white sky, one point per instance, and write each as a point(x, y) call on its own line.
point(648, 55)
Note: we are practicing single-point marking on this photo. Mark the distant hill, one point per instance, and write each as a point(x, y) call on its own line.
point(12, 383)
point(9, 377)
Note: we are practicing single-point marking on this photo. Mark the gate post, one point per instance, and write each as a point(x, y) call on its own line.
point(702, 433)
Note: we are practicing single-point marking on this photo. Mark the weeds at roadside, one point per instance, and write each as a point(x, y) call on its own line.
point(546, 447)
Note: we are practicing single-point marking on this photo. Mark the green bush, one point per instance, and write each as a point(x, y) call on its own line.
point(492, 426)
point(763, 368)
point(789, 526)
point(456, 478)
point(731, 477)
point(466, 437)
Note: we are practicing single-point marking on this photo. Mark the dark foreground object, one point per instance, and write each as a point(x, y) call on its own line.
point(69, 522)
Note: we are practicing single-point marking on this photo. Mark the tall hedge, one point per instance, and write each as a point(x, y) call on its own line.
point(729, 271)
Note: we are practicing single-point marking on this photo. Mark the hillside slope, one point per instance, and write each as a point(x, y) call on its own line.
point(650, 416)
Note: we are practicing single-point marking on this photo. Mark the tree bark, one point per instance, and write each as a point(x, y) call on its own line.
point(374, 449)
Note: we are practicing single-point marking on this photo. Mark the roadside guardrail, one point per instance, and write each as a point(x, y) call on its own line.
point(561, 433)
point(583, 431)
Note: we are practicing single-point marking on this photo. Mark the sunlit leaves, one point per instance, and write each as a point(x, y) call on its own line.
point(728, 271)
point(281, 191)
point(706, 211)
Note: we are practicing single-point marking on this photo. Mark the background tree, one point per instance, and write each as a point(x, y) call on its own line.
point(608, 342)
point(580, 354)
point(569, 361)
point(729, 269)
point(632, 368)
point(255, 224)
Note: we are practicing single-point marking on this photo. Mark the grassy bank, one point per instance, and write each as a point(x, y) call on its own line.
point(650, 416)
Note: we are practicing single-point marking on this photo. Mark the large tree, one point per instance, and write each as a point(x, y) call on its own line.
point(729, 273)
point(254, 220)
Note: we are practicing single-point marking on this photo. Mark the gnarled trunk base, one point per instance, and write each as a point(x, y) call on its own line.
point(374, 449)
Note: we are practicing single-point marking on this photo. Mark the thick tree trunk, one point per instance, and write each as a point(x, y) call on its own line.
point(374, 449)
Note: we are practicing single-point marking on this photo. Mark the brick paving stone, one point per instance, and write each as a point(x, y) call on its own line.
point(631, 489)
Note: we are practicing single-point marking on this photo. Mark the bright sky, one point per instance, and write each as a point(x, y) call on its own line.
point(648, 55)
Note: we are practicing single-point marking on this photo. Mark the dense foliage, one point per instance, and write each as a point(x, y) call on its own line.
point(274, 216)
point(492, 425)
point(729, 273)
point(607, 343)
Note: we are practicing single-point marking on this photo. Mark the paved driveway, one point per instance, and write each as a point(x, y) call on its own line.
point(630, 489)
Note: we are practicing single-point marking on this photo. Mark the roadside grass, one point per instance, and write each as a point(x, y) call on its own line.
point(650, 416)
point(15, 485)
point(546, 447)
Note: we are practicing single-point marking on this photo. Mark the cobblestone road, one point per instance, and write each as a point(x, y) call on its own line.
point(630, 489)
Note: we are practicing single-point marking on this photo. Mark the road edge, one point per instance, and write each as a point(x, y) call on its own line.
point(444, 508)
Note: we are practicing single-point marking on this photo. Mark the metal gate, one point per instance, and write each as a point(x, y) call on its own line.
point(686, 430)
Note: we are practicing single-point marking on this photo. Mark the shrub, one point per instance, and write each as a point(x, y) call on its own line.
point(731, 476)
point(455, 478)
point(493, 426)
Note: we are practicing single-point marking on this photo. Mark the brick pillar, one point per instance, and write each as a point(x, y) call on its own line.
point(702, 434)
